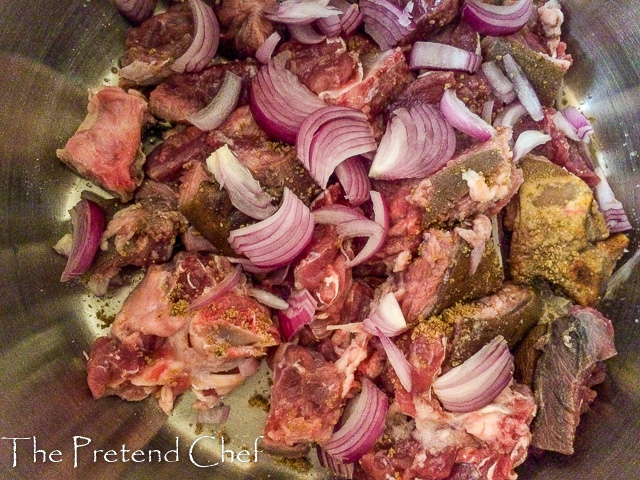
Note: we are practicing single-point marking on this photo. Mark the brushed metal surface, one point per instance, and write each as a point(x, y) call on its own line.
point(51, 52)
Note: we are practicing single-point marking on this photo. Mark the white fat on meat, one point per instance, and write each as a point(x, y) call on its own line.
point(351, 358)
point(551, 18)
point(479, 191)
point(476, 237)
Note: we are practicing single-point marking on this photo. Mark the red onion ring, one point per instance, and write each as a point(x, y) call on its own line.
point(280, 103)
point(343, 470)
point(136, 11)
point(211, 294)
point(386, 316)
point(205, 39)
point(362, 425)
point(265, 51)
point(463, 119)
point(244, 191)
point(292, 12)
point(527, 141)
point(329, 136)
point(280, 238)
point(268, 299)
point(502, 87)
point(302, 308)
point(398, 361)
point(610, 207)
point(354, 180)
point(385, 22)
point(510, 115)
point(222, 105)
point(497, 20)
point(88, 224)
point(479, 380)
point(443, 57)
point(306, 34)
point(525, 91)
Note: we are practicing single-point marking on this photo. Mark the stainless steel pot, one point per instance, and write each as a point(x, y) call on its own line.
point(51, 52)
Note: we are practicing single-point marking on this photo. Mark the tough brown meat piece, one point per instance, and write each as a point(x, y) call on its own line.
point(165, 162)
point(152, 47)
point(245, 26)
point(305, 400)
point(106, 147)
point(559, 233)
point(138, 235)
point(428, 16)
point(186, 93)
point(565, 373)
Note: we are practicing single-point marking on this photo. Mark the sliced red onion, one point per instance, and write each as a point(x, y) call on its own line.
point(610, 207)
point(502, 87)
point(264, 53)
point(280, 238)
point(88, 222)
point(329, 136)
point(330, 26)
point(294, 12)
point(194, 242)
point(205, 39)
point(459, 116)
point(280, 103)
point(398, 361)
point(386, 316)
point(417, 143)
point(573, 124)
point(510, 115)
point(497, 20)
point(487, 110)
point(362, 424)
point(302, 308)
point(336, 214)
point(248, 266)
point(385, 22)
point(219, 109)
point(343, 470)
point(306, 34)
point(268, 299)
point(478, 381)
point(376, 230)
point(214, 416)
point(443, 57)
point(351, 18)
point(525, 91)
point(354, 180)
point(136, 11)
point(245, 192)
point(211, 294)
point(527, 141)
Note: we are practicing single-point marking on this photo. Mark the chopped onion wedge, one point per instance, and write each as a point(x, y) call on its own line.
point(219, 109)
point(386, 316)
point(351, 17)
point(302, 308)
point(294, 12)
point(443, 57)
point(329, 136)
point(211, 294)
point(280, 103)
point(610, 207)
point(497, 20)
point(510, 115)
point(277, 240)
point(352, 175)
point(573, 124)
point(336, 214)
point(385, 22)
point(527, 141)
point(306, 34)
point(487, 110)
point(397, 360)
point(205, 42)
point(265, 51)
point(343, 470)
point(268, 299)
point(525, 91)
point(244, 190)
point(88, 222)
point(502, 87)
point(460, 117)
point(362, 424)
point(136, 11)
point(478, 381)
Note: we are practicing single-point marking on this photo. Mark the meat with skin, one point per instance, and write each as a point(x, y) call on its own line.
point(106, 148)
point(560, 235)
point(153, 46)
point(565, 373)
point(244, 27)
point(157, 345)
point(305, 400)
point(186, 93)
point(139, 235)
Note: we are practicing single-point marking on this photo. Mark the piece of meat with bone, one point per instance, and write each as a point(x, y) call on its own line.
point(158, 345)
point(306, 401)
point(139, 235)
point(560, 235)
point(106, 148)
point(440, 277)
point(482, 179)
point(152, 47)
point(565, 373)
point(186, 93)
point(245, 27)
